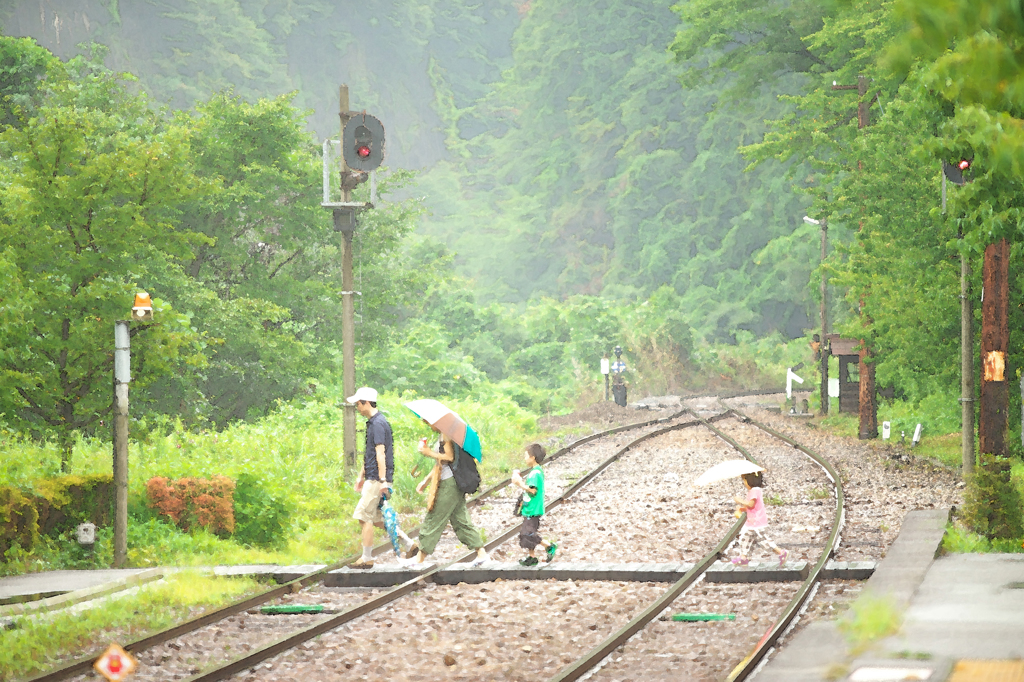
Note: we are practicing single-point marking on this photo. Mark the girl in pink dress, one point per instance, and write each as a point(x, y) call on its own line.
point(757, 521)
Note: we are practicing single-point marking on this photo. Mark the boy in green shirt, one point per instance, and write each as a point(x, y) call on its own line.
point(533, 506)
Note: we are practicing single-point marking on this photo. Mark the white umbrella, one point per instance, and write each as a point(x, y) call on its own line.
point(449, 423)
point(728, 469)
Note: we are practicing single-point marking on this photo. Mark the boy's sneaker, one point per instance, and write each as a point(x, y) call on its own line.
point(740, 561)
point(782, 558)
point(552, 548)
point(529, 561)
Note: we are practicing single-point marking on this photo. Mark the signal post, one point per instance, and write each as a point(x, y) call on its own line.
point(362, 151)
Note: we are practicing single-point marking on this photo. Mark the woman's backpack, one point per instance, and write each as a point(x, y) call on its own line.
point(467, 478)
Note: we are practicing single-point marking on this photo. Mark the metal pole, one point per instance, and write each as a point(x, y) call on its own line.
point(122, 376)
point(966, 364)
point(344, 222)
point(823, 342)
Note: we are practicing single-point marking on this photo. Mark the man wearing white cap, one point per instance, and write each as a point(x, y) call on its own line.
point(376, 476)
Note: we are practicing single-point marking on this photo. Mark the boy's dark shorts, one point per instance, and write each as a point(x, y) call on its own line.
point(529, 537)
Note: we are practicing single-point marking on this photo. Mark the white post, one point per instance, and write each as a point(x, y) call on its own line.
point(790, 378)
point(122, 376)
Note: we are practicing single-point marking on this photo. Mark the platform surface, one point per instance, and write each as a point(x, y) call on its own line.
point(961, 618)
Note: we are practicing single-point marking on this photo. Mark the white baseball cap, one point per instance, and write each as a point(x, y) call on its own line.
point(365, 393)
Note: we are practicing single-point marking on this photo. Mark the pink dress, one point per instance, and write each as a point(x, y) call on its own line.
point(758, 516)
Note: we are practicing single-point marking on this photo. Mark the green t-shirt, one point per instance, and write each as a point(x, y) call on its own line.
point(533, 505)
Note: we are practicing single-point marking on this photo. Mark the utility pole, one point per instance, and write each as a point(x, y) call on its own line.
point(995, 342)
point(823, 343)
point(122, 376)
point(345, 222)
point(142, 311)
point(866, 367)
point(966, 331)
point(966, 364)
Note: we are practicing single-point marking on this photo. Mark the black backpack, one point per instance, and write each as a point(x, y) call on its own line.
point(467, 478)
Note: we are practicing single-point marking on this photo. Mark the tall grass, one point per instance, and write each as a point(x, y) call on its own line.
point(296, 451)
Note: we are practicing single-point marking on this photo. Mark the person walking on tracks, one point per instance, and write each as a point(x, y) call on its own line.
point(757, 521)
point(446, 502)
point(376, 476)
point(533, 506)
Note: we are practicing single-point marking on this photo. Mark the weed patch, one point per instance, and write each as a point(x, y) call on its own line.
point(869, 618)
point(44, 641)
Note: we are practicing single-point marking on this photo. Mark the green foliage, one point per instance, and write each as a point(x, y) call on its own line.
point(66, 501)
point(960, 540)
point(756, 39)
point(87, 188)
point(870, 617)
point(39, 643)
point(993, 504)
point(23, 64)
point(262, 518)
point(18, 521)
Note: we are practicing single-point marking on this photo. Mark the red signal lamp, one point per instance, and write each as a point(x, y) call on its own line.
point(363, 150)
point(964, 164)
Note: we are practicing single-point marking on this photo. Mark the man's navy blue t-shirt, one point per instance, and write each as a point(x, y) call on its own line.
point(378, 431)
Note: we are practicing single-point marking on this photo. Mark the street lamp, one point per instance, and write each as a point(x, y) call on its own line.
point(823, 342)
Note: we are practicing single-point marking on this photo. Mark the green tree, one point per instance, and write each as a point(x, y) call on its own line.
point(23, 65)
point(88, 195)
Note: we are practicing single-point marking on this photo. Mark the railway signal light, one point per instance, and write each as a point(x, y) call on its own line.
point(362, 143)
point(958, 173)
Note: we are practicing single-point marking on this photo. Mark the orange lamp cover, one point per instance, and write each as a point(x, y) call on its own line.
point(142, 300)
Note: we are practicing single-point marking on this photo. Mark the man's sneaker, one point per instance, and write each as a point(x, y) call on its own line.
point(413, 550)
point(361, 563)
point(782, 558)
point(552, 548)
point(529, 561)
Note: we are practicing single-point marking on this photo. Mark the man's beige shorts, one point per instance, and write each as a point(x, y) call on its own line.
point(366, 511)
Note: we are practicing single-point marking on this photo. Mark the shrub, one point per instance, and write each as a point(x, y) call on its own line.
point(992, 503)
point(195, 502)
point(63, 502)
point(18, 521)
point(262, 517)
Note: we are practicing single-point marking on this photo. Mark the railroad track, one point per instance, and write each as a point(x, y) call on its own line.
point(804, 593)
point(654, 429)
point(84, 664)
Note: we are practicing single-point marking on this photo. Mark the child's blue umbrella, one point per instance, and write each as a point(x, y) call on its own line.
point(731, 468)
point(447, 422)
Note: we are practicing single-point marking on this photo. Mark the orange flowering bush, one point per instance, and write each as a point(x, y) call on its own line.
point(195, 502)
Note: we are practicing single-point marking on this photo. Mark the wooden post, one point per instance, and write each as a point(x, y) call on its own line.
point(995, 342)
point(345, 222)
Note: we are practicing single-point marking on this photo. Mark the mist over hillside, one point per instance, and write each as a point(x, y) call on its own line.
point(557, 152)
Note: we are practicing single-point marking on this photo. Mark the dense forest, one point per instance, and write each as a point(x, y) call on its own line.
point(560, 179)
point(557, 152)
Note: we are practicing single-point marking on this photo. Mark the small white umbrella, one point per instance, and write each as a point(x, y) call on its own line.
point(727, 469)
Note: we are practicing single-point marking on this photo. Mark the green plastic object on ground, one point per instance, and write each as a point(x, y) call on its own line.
point(689, 617)
point(278, 609)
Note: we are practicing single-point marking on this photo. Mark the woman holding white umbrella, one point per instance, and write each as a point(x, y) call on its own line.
point(445, 502)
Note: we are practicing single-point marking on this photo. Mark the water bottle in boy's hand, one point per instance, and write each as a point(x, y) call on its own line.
point(423, 442)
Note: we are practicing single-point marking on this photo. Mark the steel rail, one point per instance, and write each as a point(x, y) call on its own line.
point(797, 604)
point(82, 665)
point(279, 646)
point(590, 660)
